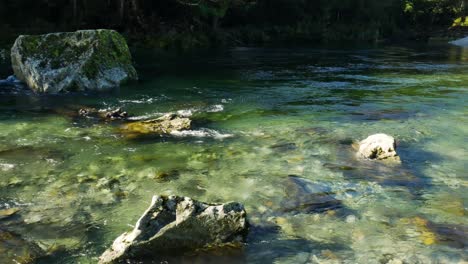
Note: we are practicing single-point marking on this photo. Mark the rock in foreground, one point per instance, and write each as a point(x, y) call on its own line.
point(87, 60)
point(378, 146)
point(178, 224)
point(163, 125)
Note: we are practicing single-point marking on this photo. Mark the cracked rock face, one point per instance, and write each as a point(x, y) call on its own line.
point(86, 60)
point(178, 223)
point(378, 147)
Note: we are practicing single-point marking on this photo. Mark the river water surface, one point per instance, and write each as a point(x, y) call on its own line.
point(273, 129)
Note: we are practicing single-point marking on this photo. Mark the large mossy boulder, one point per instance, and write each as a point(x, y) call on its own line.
point(178, 224)
point(86, 60)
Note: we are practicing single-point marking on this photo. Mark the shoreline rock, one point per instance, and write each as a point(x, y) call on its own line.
point(179, 223)
point(86, 60)
point(378, 147)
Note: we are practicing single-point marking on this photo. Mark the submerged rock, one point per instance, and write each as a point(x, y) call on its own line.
point(6, 213)
point(86, 60)
point(304, 196)
point(15, 249)
point(179, 224)
point(430, 233)
point(378, 146)
point(163, 125)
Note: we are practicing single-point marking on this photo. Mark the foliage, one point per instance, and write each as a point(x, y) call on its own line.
point(219, 21)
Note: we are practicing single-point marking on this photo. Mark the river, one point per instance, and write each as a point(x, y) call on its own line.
point(271, 127)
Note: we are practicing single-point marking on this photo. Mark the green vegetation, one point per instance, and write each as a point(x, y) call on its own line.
point(198, 23)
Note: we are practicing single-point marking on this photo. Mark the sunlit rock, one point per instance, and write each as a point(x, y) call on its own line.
point(87, 60)
point(163, 125)
point(378, 146)
point(179, 224)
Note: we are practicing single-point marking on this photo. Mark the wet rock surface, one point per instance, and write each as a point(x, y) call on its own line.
point(181, 224)
point(87, 60)
point(378, 147)
point(108, 114)
point(163, 125)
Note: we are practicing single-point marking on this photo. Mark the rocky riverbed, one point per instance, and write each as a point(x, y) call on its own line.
point(272, 129)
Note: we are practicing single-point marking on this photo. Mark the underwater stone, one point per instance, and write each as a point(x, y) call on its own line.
point(378, 146)
point(15, 249)
point(5, 213)
point(86, 60)
point(304, 196)
point(173, 223)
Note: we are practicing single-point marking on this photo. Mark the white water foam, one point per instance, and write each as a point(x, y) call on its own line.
point(201, 133)
point(215, 108)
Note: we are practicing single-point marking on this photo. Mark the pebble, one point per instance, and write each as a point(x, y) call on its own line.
point(351, 219)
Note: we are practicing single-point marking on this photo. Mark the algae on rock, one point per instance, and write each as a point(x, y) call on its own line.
point(86, 60)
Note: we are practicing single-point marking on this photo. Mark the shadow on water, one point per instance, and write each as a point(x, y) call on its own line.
point(265, 246)
point(408, 174)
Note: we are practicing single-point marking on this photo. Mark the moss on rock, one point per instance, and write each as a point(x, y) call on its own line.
point(82, 60)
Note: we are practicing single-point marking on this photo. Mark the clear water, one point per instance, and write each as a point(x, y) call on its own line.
point(260, 115)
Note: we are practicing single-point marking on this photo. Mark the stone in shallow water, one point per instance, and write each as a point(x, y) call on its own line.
point(430, 233)
point(86, 60)
point(179, 224)
point(304, 196)
point(378, 146)
point(110, 114)
point(163, 125)
point(5, 213)
point(14, 249)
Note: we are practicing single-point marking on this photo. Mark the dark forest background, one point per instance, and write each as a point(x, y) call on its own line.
point(191, 23)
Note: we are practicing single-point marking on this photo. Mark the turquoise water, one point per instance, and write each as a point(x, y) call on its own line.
point(260, 117)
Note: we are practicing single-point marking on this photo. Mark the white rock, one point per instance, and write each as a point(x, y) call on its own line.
point(378, 146)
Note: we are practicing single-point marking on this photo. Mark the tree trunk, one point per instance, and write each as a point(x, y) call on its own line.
point(121, 11)
point(215, 23)
point(75, 13)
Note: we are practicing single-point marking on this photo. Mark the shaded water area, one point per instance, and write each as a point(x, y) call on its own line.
point(273, 129)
